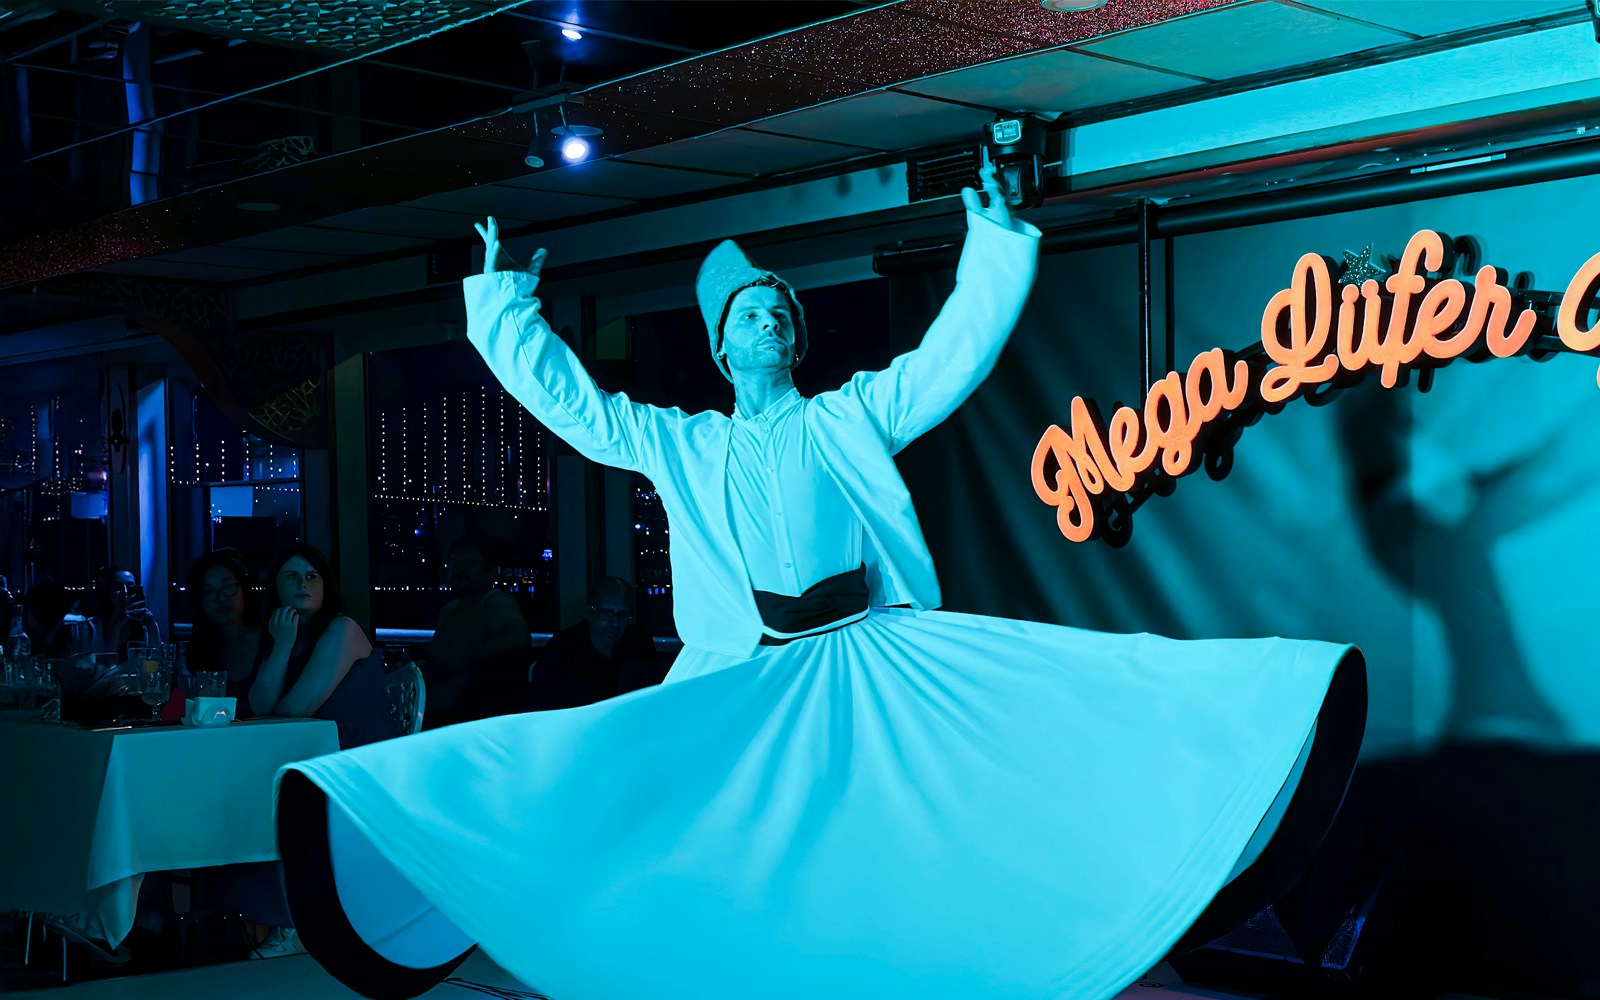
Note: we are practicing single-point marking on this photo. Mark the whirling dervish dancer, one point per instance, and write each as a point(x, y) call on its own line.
point(838, 791)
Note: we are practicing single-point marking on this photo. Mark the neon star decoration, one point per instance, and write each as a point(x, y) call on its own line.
point(1358, 267)
point(1318, 337)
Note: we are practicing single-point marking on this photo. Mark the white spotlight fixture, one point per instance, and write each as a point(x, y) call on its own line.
point(574, 35)
point(574, 141)
point(1068, 6)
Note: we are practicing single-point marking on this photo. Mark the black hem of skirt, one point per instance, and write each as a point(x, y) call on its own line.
point(325, 929)
point(319, 917)
point(1341, 724)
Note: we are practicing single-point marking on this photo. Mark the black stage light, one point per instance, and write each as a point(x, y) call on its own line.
point(1016, 145)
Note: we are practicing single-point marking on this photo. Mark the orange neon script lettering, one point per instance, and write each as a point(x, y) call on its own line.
point(1089, 461)
point(1576, 299)
point(1299, 357)
point(1097, 464)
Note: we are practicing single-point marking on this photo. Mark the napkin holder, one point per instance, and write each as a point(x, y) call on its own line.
point(202, 713)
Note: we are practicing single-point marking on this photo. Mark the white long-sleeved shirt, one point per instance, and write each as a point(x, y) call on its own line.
point(793, 524)
point(855, 431)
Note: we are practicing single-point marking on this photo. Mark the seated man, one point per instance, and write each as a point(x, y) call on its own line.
point(51, 622)
point(480, 633)
point(600, 657)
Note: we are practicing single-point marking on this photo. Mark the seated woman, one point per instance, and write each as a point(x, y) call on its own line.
point(316, 661)
point(118, 614)
point(226, 612)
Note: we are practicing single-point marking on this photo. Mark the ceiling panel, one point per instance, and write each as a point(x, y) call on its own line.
point(400, 220)
point(276, 260)
point(1051, 81)
point(306, 238)
point(884, 120)
point(721, 90)
point(750, 154)
point(871, 48)
point(1048, 28)
point(331, 29)
point(621, 179)
point(1244, 39)
point(1431, 17)
point(515, 203)
point(150, 267)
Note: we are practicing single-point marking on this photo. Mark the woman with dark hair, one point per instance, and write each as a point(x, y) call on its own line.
point(316, 661)
point(226, 611)
point(118, 612)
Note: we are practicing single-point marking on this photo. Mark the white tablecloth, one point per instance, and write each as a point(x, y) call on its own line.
point(87, 813)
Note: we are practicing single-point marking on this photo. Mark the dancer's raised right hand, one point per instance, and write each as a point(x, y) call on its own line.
point(492, 251)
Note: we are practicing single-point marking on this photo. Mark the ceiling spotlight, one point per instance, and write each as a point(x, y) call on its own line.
point(574, 35)
point(533, 159)
point(1072, 5)
point(1016, 147)
point(575, 141)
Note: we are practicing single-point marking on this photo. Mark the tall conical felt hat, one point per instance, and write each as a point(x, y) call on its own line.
point(725, 273)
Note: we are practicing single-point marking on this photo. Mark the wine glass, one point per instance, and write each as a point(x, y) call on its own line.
point(155, 685)
point(47, 689)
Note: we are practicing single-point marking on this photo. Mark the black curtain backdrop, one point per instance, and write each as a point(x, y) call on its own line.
point(1454, 535)
point(1451, 534)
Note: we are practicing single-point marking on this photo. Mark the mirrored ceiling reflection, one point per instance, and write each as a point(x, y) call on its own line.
point(118, 103)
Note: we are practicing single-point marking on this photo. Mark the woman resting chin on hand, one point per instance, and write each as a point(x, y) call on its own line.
point(317, 662)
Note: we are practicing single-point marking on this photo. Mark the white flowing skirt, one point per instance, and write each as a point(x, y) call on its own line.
point(925, 805)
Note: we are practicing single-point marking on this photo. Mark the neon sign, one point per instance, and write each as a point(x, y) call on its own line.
point(1095, 473)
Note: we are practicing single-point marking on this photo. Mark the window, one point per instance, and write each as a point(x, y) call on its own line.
point(451, 455)
point(652, 570)
point(226, 488)
point(54, 478)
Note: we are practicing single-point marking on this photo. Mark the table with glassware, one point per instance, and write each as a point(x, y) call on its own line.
point(88, 811)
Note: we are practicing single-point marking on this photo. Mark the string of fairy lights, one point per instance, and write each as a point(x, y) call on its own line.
point(485, 447)
point(652, 569)
point(78, 435)
point(255, 462)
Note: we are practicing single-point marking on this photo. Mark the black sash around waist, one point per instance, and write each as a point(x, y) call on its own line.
point(826, 605)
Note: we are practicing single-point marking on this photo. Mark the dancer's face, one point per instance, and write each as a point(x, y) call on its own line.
point(759, 332)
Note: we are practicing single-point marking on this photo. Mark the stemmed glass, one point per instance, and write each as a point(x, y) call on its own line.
point(47, 690)
point(155, 685)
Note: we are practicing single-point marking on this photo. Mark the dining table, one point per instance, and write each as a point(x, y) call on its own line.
point(88, 811)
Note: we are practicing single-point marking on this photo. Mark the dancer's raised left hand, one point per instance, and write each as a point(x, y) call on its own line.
point(492, 251)
point(996, 211)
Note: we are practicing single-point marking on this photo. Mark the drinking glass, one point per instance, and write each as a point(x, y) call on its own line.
point(27, 673)
point(155, 685)
point(46, 689)
point(210, 683)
